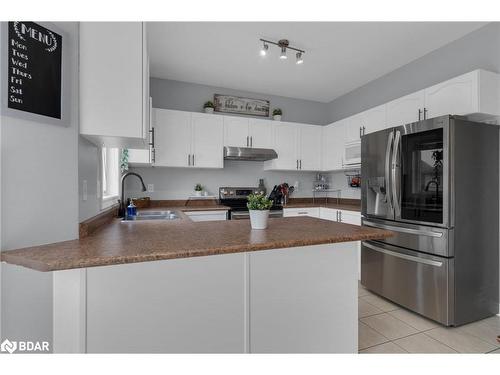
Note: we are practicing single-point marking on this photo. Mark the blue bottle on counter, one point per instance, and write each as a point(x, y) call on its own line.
point(131, 209)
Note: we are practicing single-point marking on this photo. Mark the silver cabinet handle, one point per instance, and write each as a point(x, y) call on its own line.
point(152, 143)
point(340, 216)
point(247, 141)
point(364, 130)
point(302, 213)
point(337, 214)
point(153, 155)
point(297, 163)
point(300, 164)
point(193, 160)
point(419, 114)
point(425, 113)
point(402, 256)
point(251, 141)
point(418, 232)
point(360, 131)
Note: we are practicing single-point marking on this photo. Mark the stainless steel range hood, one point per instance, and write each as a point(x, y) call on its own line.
point(249, 153)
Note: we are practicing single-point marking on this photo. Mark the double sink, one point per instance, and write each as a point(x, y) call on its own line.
point(153, 215)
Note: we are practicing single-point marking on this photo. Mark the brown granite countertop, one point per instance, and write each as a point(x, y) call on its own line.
point(130, 242)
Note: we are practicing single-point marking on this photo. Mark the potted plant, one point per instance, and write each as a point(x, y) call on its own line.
point(209, 107)
point(277, 114)
point(259, 207)
point(198, 188)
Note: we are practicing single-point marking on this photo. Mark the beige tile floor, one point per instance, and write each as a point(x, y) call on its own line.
point(385, 327)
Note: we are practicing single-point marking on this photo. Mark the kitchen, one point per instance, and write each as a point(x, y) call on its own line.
point(309, 162)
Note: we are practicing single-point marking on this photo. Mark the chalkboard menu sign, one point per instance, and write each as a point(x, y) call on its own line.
point(34, 69)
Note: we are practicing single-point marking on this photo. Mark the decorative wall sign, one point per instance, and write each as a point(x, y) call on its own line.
point(34, 77)
point(243, 106)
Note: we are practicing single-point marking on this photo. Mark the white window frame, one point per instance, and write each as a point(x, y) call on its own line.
point(110, 176)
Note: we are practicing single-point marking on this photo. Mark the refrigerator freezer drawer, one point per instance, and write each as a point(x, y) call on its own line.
point(435, 241)
point(419, 282)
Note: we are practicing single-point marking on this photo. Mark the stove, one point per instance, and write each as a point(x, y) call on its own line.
point(236, 199)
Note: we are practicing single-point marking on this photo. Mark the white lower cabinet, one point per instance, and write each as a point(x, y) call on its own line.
point(217, 215)
point(310, 211)
point(348, 217)
point(295, 300)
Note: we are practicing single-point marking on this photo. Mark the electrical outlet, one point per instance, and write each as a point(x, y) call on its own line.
point(296, 185)
point(151, 188)
point(84, 191)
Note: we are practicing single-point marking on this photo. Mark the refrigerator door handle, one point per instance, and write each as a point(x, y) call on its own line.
point(388, 192)
point(394, 167)
point(418, 232)
point(402, 256)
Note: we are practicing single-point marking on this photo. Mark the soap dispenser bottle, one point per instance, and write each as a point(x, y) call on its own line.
point(131, 209)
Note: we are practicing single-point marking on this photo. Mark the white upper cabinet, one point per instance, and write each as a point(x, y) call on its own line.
point(353, 128)
point(375, 119)
point(473, 93)
point(185, 139)
point(243, 132)
point(172, 138)
point(114, 84)
point(286, 146)
point(207, 141)
point(333, 145)
point(260, 133)
point(406, 109)
point(310, 147)
point(236, 132)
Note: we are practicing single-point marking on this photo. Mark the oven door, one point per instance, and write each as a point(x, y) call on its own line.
point(420, 173)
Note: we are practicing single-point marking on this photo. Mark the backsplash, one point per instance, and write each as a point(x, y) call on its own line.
point(178, 183)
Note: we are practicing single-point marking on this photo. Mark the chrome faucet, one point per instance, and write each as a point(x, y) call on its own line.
point(123, 206)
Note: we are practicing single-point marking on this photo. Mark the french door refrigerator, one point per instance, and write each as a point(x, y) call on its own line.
point(435, 184)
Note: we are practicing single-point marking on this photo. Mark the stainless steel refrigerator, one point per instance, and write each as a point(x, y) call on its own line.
point(435, 184)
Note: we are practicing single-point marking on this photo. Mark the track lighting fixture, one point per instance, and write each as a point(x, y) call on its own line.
point(284, 45)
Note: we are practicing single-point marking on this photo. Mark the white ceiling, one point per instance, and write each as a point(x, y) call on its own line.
point(340, 56)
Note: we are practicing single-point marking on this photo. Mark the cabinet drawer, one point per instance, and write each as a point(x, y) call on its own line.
point(309, 211)
point(207, 215)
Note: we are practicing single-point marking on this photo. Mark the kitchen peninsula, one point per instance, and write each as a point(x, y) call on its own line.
point(183, 286)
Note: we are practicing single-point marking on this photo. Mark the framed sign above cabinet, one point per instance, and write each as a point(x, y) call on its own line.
point(33, 74)
point(242, 106)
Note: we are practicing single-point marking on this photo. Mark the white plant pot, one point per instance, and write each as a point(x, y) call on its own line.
point(209, 110)
point(197, 193)
point(277, 117)
point(259, 219)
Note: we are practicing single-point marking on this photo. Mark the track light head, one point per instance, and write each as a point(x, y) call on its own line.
point(263, 51)
point(283, 55)
point(300, 60)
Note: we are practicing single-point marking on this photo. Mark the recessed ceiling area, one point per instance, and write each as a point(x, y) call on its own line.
point(340, 56)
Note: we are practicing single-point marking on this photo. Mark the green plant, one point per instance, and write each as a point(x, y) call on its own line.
point(277, 112)
point(198, 187)
point(259, 202)
point(209, 104)
point(124, 160)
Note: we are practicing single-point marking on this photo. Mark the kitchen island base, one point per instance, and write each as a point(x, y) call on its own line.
point(291, 300)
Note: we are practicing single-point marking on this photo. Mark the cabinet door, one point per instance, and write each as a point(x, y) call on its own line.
point(353, 127)
point(310, 148)
point(306, 211)
point(405, 110)
point(350, 217)
point(374, 119)
point(285, 144)
point(172, 138)
point(236, 132)
point(457, 96)
point(112, 108)
point(328, 214)
point(333, 146)
point(208, 135)
point(261, 133)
